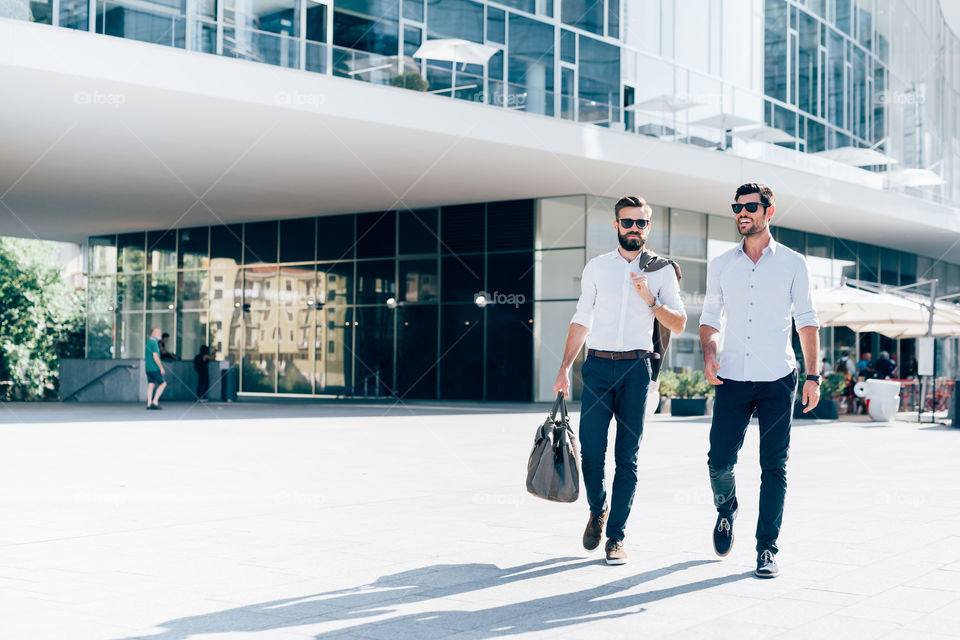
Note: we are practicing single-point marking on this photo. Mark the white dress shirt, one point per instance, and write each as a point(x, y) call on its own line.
point(751, 305)
point(618, 318)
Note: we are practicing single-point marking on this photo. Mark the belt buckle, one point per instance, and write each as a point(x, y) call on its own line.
point(615, 355)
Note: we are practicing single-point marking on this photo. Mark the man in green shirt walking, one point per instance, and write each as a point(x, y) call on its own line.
point(154, 369)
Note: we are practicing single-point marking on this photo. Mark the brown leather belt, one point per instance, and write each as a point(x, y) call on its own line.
point(636, 354)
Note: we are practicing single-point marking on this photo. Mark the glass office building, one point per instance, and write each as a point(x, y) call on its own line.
point(361, 303)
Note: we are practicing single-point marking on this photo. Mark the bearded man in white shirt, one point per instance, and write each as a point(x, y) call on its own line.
point(629, 304)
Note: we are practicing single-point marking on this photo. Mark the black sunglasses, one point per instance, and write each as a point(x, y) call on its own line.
point(627, 223)
point(749, 206)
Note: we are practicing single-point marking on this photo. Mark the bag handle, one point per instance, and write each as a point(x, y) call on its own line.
point(559, 403)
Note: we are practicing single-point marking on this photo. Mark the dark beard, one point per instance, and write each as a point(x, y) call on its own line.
point(631, 244)
point(753, 229)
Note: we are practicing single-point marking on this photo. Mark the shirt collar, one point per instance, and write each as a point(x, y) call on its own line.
point(771, 247)
point(615, 254)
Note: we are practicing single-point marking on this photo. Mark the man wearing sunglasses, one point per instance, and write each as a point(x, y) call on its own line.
point(752, 291)
point(629, 304)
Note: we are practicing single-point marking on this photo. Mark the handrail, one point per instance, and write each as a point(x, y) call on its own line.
point(98, 378)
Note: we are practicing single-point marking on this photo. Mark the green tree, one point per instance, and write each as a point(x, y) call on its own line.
point(41, 319)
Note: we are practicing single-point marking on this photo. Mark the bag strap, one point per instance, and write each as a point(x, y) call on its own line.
point(557, 405)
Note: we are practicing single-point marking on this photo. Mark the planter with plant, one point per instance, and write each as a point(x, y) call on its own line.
point(832, 387)
point(688, 392)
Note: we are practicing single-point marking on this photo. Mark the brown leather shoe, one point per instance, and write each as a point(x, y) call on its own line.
point(615, 552)
point(594, 531)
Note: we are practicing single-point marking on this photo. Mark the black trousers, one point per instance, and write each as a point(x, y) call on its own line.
point(203, 384)
point(732, 408)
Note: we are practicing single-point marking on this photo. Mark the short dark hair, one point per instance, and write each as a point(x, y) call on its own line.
point(766, 193)
point(631, 201)
point(165, 335)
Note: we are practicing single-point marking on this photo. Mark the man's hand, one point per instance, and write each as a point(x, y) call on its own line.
point(162, 372)
point(562, 383)
point(811, 395)
point(712, 365)
point(640, 284)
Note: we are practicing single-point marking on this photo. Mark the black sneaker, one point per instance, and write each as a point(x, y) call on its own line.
point(594, 531)
point(767, 566)
point(723, 534)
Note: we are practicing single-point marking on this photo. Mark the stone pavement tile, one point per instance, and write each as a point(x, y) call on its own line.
point(877, 577)
point(912, 599)
point(888, 614)
point(939, 579)
point(782, 612)
point(945, 620)
point(727, 628)
point(910, 634)
point(812, 594)
point(837, 626)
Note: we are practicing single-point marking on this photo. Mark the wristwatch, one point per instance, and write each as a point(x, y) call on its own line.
point(656, 304)
point(816, 378)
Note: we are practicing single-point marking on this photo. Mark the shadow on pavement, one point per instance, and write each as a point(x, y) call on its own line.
point(445, 581)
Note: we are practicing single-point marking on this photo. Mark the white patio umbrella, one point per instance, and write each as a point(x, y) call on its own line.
point(856, 156)
point(663, 103)
point(456, 50)
point(893, 315)
point(764, 133)
point(915, 178)
point(725, 121)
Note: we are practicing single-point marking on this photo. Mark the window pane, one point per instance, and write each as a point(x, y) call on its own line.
point(164, 322)
point(889, 266)
point(461, 228)
point(260, 286)
point(192, 252)
point(335, 239)
point(130, 292)
point(102, 254)
point(334, 350)
point(413, 10)
point(461, 352)
point(418, 231)
point(531, 63)
point(335, 283)
point(869, 263)
point(510, 352)
point(316, 22)
point(367, 25)
point(775, 49)
point(418, 281)
point(723, 235)
point(559, 274)
point(100, 326)
point(511, 275)
point(191, 335)
point(561, 222)
point(496, 25)
point(792, 238)
point(193, 289)
point(161, 290)
point(694, 280)
point(260, 351)
point(297, 239)
point(295, 369)
point(510, 225)
point(260, 242)
point(586, 14)
point(455, 19)
point(461, 278)
point(688, 231)
point(131, 252)
point(226, 244)
point(375, 282)
point(374, 351)
point(417, 351)
point(130, 335)
point(599, 88)
point(162, 249)
point(376, 234)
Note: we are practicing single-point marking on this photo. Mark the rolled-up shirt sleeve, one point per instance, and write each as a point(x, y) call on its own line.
point(588, 297)
point(712, 314)
point(669, 293)
point(801, 292)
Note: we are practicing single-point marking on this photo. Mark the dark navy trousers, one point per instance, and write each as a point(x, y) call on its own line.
point(734, 405)
point(612, 388)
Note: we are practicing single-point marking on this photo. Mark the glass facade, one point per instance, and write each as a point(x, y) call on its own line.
point(381, 303)
point(360, 304)
point(879, 74)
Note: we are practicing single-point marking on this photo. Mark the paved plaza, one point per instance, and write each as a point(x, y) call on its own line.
point(295, 520)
